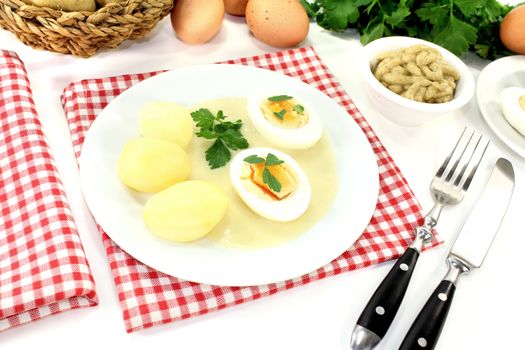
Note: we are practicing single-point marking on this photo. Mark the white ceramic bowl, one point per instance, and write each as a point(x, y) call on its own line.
point(402, 110)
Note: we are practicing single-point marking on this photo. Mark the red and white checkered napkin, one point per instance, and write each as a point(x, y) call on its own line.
point(43, 268)
point(149, 297)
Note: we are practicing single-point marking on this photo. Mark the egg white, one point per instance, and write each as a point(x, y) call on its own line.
point(300, 138)
point(287, 209)
point(512, 110)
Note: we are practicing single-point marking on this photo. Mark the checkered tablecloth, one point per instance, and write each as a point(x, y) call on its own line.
point(43, 269)
point(148, 297)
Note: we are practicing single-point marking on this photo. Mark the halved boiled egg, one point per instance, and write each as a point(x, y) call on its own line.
point(285, 120)
point(513, 106)
point(271, 183)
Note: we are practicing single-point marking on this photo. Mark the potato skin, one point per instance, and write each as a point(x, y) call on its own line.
point(167, 121)
point(67, 5)
point(186, 211)
point(152, 165)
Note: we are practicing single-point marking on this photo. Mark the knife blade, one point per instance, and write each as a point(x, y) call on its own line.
point(467, 253)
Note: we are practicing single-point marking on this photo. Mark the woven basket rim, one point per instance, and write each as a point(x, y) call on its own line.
point(81, 33)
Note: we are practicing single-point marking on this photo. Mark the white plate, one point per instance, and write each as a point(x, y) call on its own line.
point(119, 211)
point(498, 75)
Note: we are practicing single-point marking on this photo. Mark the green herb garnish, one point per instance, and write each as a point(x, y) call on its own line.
point(457, 25)
point(279, 98)
point(280, 114)
point(227, 136)
point(267, 176)
point(253, 159)
point(299, 109)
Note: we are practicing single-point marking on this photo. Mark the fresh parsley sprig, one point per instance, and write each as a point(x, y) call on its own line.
point(267, 175)
point(457, 25)
point(227, 135)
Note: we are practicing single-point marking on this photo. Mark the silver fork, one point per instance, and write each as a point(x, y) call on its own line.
point(448, 187)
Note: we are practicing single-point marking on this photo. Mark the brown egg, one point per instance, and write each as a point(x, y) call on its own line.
point(512, 30)
point(197, 21)
point(235, 7)
point(279, 23)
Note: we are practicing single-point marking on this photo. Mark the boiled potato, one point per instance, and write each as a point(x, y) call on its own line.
point(166, 120)
point(186, 211)
point(151, 165)
point(67, 5)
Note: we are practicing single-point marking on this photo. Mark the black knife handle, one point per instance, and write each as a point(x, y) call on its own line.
point(424, 332)
point(383, 305)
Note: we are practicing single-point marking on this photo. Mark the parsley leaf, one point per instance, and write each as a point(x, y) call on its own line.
point(398, 16)
point(204, 118)
point(280, 114)
point(207, 134)
point(254, 159)
point(337, 14)
point(218, 154)
point(468, 7)
point(457, 35)
point(432, 13)
point(227, 135)
point(482, 50)
point(272, 159)
point(234, 139)
point(267, 176)
point(299, 109)
point(279, 98)
point(271, 181)
point(372, 32)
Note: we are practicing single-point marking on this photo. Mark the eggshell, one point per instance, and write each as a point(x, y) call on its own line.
point(512, 30)
point(235, 7)
point(197, 21)
point(279, 23)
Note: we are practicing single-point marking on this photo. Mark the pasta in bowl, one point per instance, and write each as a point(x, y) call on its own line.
point(413, 81)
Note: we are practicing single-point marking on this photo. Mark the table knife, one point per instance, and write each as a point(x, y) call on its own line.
point(467, 253)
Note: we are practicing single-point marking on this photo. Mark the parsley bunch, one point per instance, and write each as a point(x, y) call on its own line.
point(227, 136)
point(457, 25)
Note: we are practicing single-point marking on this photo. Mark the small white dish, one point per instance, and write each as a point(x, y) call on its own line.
point(496, 76)
point(402, 110)
point(119, 211)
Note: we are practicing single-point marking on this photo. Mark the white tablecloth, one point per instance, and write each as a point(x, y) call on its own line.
point(488, 309)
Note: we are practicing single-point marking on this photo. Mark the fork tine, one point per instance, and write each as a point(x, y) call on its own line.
point(460, 176)
point(473, 171)
point(444, 165)
point(453, 169)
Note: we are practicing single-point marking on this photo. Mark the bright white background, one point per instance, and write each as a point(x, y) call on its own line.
point(488, 308)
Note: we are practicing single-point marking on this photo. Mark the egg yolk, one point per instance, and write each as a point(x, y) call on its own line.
point(252, 179)
point(288, 114)
point(522, 102)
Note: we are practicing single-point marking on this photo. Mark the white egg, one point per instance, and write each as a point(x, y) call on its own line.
point(298, 127)
point(513, 106)
point(295, 192)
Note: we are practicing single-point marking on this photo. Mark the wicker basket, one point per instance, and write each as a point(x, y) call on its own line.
point(81, 33)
